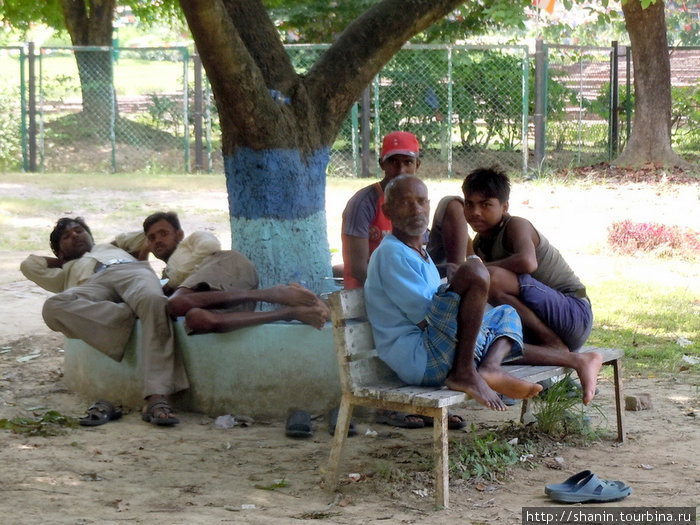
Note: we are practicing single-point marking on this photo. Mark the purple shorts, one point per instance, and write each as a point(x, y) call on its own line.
point(571, 318)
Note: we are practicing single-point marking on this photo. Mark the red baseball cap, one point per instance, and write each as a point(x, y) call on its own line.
point(399, 143)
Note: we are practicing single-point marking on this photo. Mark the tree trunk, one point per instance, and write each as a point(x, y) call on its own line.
point(650, 140)
point(90, 24)
point(278, 126)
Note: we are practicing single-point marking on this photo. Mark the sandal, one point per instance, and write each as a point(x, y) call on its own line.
point(399, 419)
point(155, 411)
point(454, 421)
point(586, 486)
point(99, 413)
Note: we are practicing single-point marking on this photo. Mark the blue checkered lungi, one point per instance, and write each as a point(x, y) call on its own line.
point(440, 336)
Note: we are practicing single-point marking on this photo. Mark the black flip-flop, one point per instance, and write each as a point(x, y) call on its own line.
point(451, 425)
point(299, 425)
point(398, 419)
point(99, 413)
point(333, 421)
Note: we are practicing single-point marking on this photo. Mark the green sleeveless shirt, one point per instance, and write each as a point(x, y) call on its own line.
point(552, 269)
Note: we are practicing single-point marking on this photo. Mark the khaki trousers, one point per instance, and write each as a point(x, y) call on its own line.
point(102, 312)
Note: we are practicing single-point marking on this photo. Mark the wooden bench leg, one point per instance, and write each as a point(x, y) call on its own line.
point(619, 402)
point(524, 410)
point(442, 462)
point(341, 433)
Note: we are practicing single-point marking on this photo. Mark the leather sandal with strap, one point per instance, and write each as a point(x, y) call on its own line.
point(159, 413)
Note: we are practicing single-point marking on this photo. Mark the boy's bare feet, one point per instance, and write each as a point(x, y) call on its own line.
point(476, 387)
point(587, 369)
point(507, 384)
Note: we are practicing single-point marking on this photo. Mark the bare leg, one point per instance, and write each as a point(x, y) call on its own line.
point(185, 299)
point(500, 380)
point(201, 320)
point(505, 289)
point(587, 365)
point(471, 282)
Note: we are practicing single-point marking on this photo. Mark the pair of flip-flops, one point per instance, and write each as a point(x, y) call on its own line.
point(405, 420)
point(587, 487)
point(99, 413)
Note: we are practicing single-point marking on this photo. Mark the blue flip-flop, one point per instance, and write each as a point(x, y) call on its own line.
point(587, 487)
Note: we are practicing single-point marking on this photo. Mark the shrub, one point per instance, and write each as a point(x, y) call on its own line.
point(10, 147)
point(629, 237)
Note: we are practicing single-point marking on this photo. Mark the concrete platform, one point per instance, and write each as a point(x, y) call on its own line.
point(262, 371)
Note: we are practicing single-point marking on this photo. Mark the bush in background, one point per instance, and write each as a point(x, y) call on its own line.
point(10, 147)
point(629, 237)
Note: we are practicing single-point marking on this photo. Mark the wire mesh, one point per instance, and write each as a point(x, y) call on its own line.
point(13, 143)
point(114, 109)
point(130, 109)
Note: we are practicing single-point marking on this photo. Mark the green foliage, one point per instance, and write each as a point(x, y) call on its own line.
point(685, 117)
point(50, 423)
point(559, 411)
point(10, 146)
point(165, 113)
point(485, 456)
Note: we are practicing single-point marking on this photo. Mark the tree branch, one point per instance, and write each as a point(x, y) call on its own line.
point(249, 116)
point(366, 45)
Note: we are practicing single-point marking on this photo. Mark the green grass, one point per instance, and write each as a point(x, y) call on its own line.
point(648, 321)
point(484, 456)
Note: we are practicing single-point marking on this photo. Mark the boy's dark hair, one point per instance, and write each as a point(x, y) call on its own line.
point(169, 216)
point(492, 183)
point(61, 226)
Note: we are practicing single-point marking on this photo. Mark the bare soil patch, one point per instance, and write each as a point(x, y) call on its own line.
point(130, 471)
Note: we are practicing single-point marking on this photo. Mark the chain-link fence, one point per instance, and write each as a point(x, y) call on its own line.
point(114, 109)
point(13, 137)
point(578, 105)
point(146, 109)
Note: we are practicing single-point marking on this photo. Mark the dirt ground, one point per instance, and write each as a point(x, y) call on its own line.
point(130, 471)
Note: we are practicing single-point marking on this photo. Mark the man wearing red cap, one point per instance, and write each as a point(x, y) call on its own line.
point(364, 223)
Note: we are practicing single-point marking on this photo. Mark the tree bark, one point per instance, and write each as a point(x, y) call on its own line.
point(650, 139)
point(90, 24)
point(276, 146)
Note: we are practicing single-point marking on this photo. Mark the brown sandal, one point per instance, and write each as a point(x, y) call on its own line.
point(154, 412)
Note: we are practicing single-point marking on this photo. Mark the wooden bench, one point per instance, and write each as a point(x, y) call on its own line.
point(365, 380)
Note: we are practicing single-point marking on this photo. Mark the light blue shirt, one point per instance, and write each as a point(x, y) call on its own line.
point(398, 291)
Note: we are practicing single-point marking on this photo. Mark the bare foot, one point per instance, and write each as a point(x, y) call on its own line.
point(475, 386)
point(507, 384)
point(587, 369)
point(315, 315)
point(292, 295)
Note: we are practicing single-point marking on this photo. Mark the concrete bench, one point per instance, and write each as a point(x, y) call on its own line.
point(263, 371)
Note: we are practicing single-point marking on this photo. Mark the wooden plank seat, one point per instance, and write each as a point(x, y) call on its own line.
point(366, 380)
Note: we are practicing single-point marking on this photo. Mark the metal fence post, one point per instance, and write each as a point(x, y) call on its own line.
point(23, 111)
point(628, 92)
point(186, 105)
point(365, 132)
point(113, 110)
point(448, 125)
point(614, 131)
point(197, 116)
point(354, 141)
point(525, 107)
point(540, 103)
point(32, 107)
